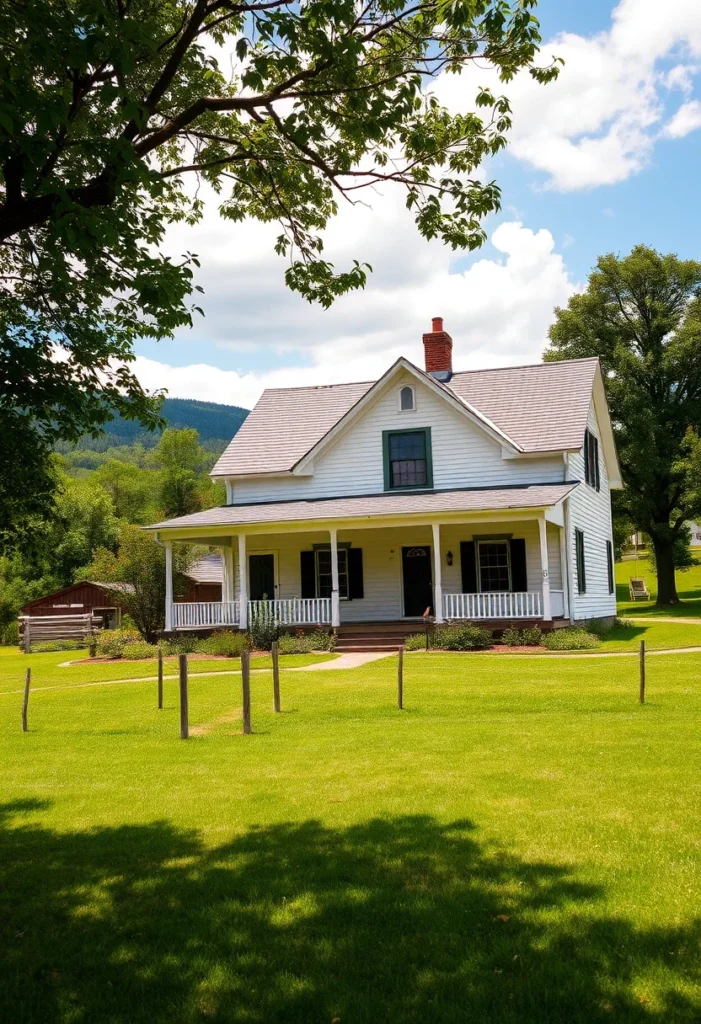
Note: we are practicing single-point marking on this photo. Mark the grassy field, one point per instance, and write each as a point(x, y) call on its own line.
point(521, 844)
point(688, 588)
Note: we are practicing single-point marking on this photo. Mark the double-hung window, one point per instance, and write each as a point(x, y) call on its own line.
point(591, 460)
point(323, 572)
point(407, 459)
point(494, 567)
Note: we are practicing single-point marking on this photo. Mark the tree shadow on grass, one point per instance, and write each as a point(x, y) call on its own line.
point(396, 919)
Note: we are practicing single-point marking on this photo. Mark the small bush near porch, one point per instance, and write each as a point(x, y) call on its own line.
point(520, 845)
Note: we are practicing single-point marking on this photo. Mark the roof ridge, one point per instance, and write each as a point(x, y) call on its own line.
point(527, 366)
point(317, 387)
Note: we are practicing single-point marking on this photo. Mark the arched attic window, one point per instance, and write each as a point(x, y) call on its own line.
point(407, 398)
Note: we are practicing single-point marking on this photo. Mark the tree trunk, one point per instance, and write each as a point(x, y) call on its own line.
point(666, 582)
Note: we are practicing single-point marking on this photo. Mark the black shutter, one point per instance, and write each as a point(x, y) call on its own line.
point(581, 568)
point(609, 563)
point(596, 463)
point(468, 564)
point(587, 477)
point(307, 566)
point(519, 576)
point(355, 573)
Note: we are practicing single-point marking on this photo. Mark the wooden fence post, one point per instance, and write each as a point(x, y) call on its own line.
point(160, 679)
point(400, 679)
point(25, 702)
point(27, 637)
point(184, 727)
point(276, 676)
point(246, 684)
point(642, 671)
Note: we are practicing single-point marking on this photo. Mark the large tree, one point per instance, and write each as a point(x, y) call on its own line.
point(641, 314)
point(107, 107)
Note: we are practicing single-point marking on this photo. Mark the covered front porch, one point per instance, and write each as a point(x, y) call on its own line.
point(491, 568)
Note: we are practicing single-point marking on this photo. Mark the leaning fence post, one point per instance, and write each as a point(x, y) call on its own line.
point(400, 679)
point(25, 702)
point(27, 637)
point(184, 728)
point(160, 679)
point(642, 671)
point(276, 676)
point(246, 684)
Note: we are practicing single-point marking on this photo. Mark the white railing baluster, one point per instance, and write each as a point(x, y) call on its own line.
point(491, 605)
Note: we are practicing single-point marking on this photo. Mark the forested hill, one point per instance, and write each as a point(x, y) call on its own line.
point(213, 423)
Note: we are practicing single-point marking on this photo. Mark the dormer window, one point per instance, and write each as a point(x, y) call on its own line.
point(407, 459)
point(407, 399)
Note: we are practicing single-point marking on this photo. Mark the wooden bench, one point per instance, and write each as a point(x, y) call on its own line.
point(638, 590)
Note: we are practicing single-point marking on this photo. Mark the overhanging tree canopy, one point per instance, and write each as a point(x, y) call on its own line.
point(106, 107)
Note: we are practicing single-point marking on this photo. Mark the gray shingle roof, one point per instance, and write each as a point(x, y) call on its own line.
point(207, 569)
point(475, 499)
point(542, 407)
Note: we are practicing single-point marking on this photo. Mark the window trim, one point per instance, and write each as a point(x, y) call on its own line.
point(386, 434)
point(412, 389)
point(493, 540)
point(580, 562)
point(342, 546)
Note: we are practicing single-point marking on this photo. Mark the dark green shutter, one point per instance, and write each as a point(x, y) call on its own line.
point(307, 566)
point(519, 575)
point(609, 563)
point(468, 565)
point(581, 568)
point(355, 573)
point(596, 464)
point(586, 457)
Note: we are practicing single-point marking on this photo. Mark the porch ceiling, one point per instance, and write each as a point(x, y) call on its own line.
point(376, 506)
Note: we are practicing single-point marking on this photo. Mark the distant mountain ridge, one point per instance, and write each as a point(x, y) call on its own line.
point(212, 421)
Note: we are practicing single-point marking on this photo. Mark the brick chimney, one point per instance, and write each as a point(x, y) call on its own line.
point(438, 351)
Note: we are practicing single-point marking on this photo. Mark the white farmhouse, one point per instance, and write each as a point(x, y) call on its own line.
point(480, 495)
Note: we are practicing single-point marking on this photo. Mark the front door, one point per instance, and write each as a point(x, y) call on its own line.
point(261, 577)
point(418, 580)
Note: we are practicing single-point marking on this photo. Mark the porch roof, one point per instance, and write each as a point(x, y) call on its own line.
point(473, 499)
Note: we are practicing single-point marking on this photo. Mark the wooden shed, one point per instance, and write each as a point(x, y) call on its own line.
point(88, 598)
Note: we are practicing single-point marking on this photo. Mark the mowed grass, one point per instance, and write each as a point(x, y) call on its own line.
point(688, 589)
point(520, 844)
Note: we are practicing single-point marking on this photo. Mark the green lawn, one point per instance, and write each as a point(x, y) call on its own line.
point(521, 844)
point(688, 589)
point(658, 636)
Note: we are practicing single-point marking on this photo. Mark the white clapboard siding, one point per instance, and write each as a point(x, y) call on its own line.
point(463, 454)
point(590, 511)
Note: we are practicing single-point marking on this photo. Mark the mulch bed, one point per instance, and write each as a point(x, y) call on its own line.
point(166, 657)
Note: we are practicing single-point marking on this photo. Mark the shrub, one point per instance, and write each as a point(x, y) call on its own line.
point(599, 627)
point(110, 642)
point(264, 628)
point(302, 643)
point(59, 645)
point(139, 649)
point(225, 643)
point(183, 644)
point(511, 637)
point(10, 634)
point(571, 639)
point(462, 638)
point(532, 637)
point(417, 642)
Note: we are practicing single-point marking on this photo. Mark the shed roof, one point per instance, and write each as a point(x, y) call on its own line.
point(542, 407)
point(474, 499)
point(207, 569)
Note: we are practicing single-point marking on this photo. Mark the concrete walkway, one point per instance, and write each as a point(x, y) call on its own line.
point(354, 659)
point(647, 619)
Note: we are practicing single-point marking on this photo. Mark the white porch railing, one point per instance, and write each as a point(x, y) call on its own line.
point(521, 605)
point(294, 611)
point(203, 614)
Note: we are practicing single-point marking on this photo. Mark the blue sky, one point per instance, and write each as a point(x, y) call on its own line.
point(607, 157)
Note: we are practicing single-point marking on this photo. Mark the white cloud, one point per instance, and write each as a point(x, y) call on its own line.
point(687, 119)
point(497, 311)
point(598, 123)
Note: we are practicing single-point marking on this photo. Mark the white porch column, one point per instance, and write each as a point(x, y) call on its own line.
point(227, 583)
point(542, 528)
point(437, 576)
point(243, 583)
point(564, 573)
point(335, 596)
point(169, 585)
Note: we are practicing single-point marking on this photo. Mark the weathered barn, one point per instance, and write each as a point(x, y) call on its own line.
point(87, 598)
